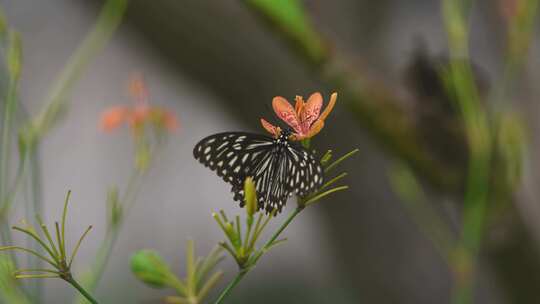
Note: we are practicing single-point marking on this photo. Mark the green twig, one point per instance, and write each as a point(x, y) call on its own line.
point(240, 275)
point(109, 18)
point(462, 82)
point(339, 160)
point(81, 290)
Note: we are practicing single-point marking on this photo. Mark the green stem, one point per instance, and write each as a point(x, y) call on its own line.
point(9, 110)
point(240, 275)
point(107, 245)
point(7, 201)
point(109, 18)
point(479, 139)
point(81, 290)
point(275, 236)
point(5, 155)
point(100, 262)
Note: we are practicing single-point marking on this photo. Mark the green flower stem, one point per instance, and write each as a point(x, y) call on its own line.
point(239, 276)
point(101, 260)
point(274, 237)
point(7, 200)
point(107, 245)
point(9, 112)
point(83, 292)
point(243, 271)
point(479, 139)
point(110, 16)
point(6, 136)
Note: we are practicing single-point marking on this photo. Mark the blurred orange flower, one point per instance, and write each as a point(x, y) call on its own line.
point(138, 115)
point(305, 118)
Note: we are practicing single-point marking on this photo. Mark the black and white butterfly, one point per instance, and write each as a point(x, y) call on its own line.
point(278, 166)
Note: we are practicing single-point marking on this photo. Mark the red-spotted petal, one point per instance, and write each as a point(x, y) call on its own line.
point(286, 112)
point(299, 105)
point(270, 127)
point(311, 111)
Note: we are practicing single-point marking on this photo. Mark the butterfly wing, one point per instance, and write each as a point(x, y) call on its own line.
point(270, 174)
point(305, 172)
point(233, 155)
point(277, 171)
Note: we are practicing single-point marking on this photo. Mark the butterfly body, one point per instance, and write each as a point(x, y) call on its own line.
point(278, 166)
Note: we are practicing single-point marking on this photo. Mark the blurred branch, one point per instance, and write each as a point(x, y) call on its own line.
point(107, 22)
point(289, 17)
point(461, 80)
point(429, 221)
point(118, 211)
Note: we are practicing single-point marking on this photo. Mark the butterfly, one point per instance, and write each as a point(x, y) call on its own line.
point(279, 167)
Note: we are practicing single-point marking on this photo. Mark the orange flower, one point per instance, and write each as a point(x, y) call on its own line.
point(138, 115)
point(305, 118)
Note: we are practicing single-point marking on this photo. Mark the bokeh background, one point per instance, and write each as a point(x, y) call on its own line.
point(218, 66)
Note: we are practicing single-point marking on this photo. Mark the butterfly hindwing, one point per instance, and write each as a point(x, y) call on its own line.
point(306, 175)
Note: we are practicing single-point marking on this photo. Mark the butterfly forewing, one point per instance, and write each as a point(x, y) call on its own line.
point(277, 167)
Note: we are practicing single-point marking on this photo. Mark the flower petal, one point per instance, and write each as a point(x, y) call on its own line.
point(299, 105)
point(311, 111)
point(113, 118)
point(170, 121)
point(315, 128)
point(330, 106)
point(286, 112)
point(140, 114)
point(270, 127)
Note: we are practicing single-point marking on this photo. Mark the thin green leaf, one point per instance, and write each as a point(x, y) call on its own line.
point(76, 248)
point(178, 285)
point(47, 234)
point(318, 197)
point(38, 239)
point(339, 160)
point(210, 283)
point(209, 263)
point(64, 214)
point(220, 222)
point(326, 157)
point(257, 227)
point(333, 181)
point(190, 266)
point(61, 248)
point(36, 276)
point(229, 249)
point(52, 263)
point(223, 215)
point(258, 232)
point(23, 271)
point(275, 243)
point(238, 231)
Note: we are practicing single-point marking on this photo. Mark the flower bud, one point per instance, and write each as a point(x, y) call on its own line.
point(250, 196)
point(326, 157)
point(149, 267)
